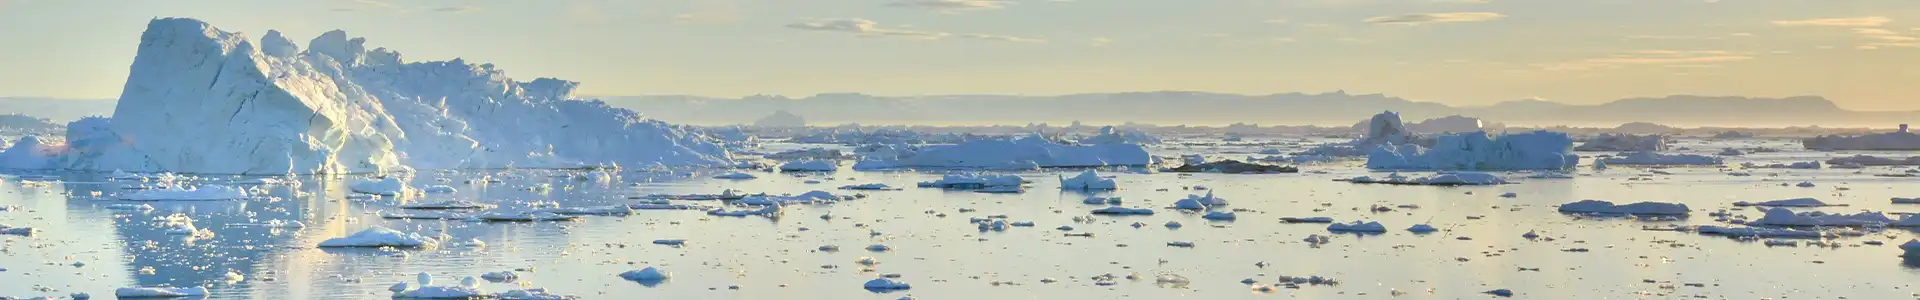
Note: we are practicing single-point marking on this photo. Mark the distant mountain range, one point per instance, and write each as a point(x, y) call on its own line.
point(1332, 109)
point(1175, 107)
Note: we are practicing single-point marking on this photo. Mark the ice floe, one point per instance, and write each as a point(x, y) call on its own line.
point(1358, 226)
point(1796, 202)
point(381, 237)
point(207, 192)
point(1641, 208)
point(1440, 179)
point(1088, 180)
point(160, 292)
point(1647, 158)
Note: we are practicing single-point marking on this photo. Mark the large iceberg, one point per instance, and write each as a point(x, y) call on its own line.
point(203, 100)
point(1539, 150)
point(1383, 129)
point(1903, 139)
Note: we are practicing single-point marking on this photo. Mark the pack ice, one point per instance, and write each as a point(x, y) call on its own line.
point(203, 100)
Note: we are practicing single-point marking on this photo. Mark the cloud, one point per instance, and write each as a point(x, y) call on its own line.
point(457, 9)
point(865, 28)
point(1004, 38)
point(1689, 58)
point(1425, 18)
point(949, 6)
point(1837, 22)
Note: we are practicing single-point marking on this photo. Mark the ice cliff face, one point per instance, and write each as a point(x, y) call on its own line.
point(204, 100)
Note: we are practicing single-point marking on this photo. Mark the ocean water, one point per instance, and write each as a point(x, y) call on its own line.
point(84, 247)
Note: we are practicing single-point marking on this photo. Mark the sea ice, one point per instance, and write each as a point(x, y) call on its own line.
point(1783, 217)
point(160, 292)
point(200, 193)
point(1220, 216)
point(1199, 202)
point(646, 275)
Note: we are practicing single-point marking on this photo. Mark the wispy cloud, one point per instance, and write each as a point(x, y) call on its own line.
point(1690, 58)
point(457, 9)
point(1426, 18)
point(1837, 22)
point(868, 28)
point(949, 6)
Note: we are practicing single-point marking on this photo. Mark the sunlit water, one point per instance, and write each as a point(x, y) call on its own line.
point(85, 247)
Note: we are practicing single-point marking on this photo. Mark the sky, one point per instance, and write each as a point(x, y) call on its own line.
point(1457, 52)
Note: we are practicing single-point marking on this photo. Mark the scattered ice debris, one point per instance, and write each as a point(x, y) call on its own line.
point(1783, 217)
point(381, 237)
point(808, 154)
point(1219, 216)
point(735, 175)
point(1757, 232)
point(649, 274)
point(1624, 142)
point(1088, 180)
point(1781, 243)
point(670, 242)
point(447, 205)
point(803, 198)
point(886, 284)
point(1439, 179)
point(870, 187)
point(867, 261)
point(610, 210)
point(1308, 280)
point(533, 294)
point(1116, 210)
point(1306, 220)
point(1645, 158)
point(160, 292)
point(974, 181)
point(201, 193)
point(1421, 228)
point(1173, 225)
point(1358, 226)
point(1642, 208)
point(1232, 167)
point(1539, 150)
point(1731, 152)
point(390, 186)
point(1796, 202)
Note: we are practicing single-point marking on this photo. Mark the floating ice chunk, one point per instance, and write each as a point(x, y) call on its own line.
point(501, 276)
point(1796, 202)
point(1869, 160)
point(1439, 179)
point(1642, 208)
point(870, 187)
point(886, 284)
point(442, 292)
point(1199, 202)
point(1761, 232)
point(1898, 200)
point(879, 248)
point(735, 175)
point(202, 193)
point(160, 292)
point(1656, 159)
point(804, 198)
point(765, 211)
point(610, 210)
point(1421, 228)
point(1501, 292)
point(1896, 141)
point(1912, 248)
point(1219, 216)
point(1805, 184)
point(646, 275)
point(1088, 180)
point(1101, 201)
point(1181, 244)
point(21, 231)
point(381, 237)
point(1783, 217)
point(1809, 165)
point(533, 294)
point(1531, 234)
point(1116, 210)
point(128, 206)
point(439, 189)
point(389, 186)
point(810, 166)
point(1357, 226)
point(522, 216)
point(1510, 195)
point(1316, 239)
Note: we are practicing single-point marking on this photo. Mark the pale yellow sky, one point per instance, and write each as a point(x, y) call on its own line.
point(1460, 52)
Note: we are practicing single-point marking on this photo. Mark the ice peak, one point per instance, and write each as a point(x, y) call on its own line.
point(335, 44)
point(276, 45)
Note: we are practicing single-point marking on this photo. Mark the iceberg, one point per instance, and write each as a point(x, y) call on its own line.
point(1478, 151)
point(1624, 143)
point(1358, 226)
point(884, 284)
point(1033, 151)
point(30, 153)
point(1198, 202)
point(1110, 135)
point(1902, 140)
point(1089, 180)
point(1642, 208)
point(810, 166)
point(202, 100)
point(646, 275)
point(1645, 158)
point(1383, 129)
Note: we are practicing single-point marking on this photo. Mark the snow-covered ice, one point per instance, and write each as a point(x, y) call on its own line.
point(1088, 180)
point(1784, 217)
point(390, 186)
point(1641, 208)
point(381, 237)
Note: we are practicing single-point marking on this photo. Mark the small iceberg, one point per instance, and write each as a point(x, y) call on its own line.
point(1783, 217)
point(1422, 228)
point(1089, 180)
point(810, 166)
point(736, 176)
point(381, 237)
point(1219, 216)
point(1199, 202)
point(765, 211)
point(1116, 210)
point(1101, 201)
point(885, 284)
point(389, 186)
point(870, 187)
point(649, 274)
point(1440, 179)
